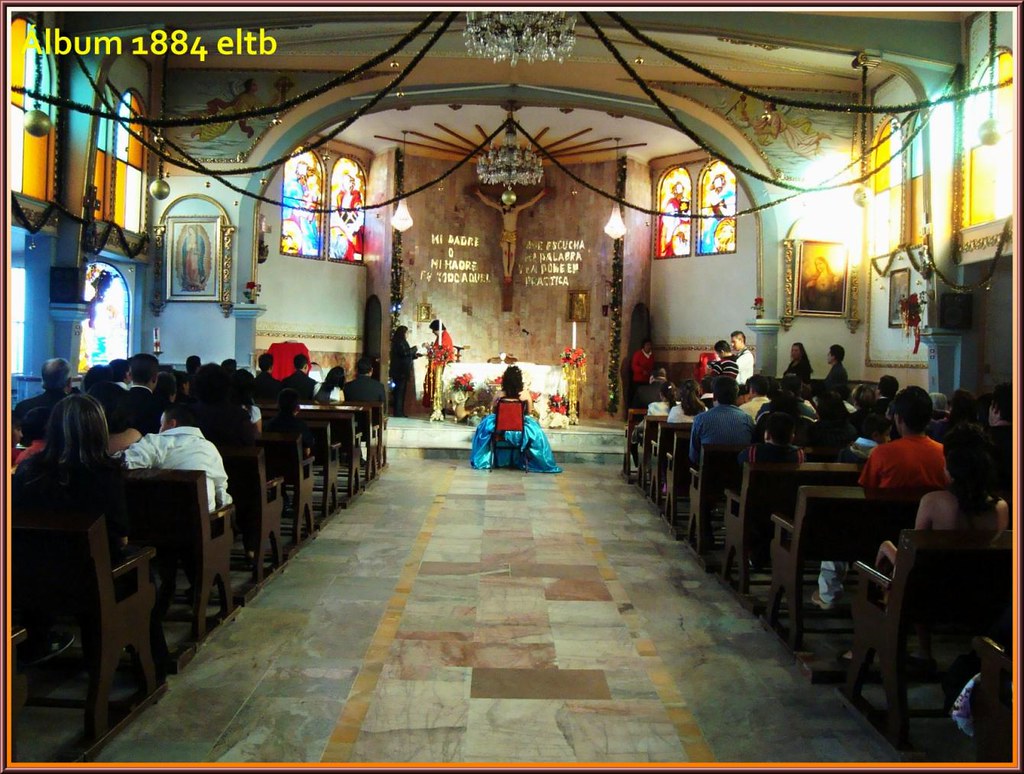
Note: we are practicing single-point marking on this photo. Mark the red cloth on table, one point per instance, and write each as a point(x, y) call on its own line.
point(701, 369)
point(284, 353)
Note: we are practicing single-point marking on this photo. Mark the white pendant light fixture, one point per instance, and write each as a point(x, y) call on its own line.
point(615, 227)
point(988, 131)
point(401, 220)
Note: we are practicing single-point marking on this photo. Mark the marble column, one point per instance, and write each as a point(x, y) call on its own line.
point(245, 333)
point(943, 359)
point(766, 359)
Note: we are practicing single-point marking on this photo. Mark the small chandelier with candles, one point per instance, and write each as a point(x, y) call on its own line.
point(531, 35)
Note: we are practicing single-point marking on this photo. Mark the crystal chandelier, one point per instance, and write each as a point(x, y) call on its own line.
point(531, 35)
point(508, 164)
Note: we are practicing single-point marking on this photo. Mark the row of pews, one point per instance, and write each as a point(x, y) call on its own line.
point(193, 567)
point(763, 530)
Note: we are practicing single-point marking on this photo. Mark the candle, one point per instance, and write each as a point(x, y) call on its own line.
point(574, 334)
point(156, 334)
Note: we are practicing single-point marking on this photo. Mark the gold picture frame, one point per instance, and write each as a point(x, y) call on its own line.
point(193, 258)
point(424, 313)
point(821, 279)
point(578, 306)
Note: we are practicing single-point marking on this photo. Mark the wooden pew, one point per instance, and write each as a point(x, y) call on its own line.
point(992, 703)
point(61, 567)
point(327, 459)
point(285, 458)
point(834, 523)
point(378, 431)
point(19, 687)
point(259, 504)
point(660, 452)
point(633, 418)
point(643, 478)
point(941, 577)
point(718, 470)
point(768, 488)
point(170, 511)
point(677, 479)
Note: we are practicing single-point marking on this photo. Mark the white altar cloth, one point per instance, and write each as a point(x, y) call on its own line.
point(545, 379)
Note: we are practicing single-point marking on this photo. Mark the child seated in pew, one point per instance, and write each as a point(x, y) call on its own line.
point(777, 446)
point(874, 431)
point(287, 420)
point(33, 434)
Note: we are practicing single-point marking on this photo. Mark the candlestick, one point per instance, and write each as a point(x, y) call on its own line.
point(574, 334)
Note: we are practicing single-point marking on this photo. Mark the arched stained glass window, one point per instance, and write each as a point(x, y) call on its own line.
point(119, 171)
point(887, 185)
point(674, 224)
point(301, 191)
point(105, 332)
point(31, 157)
point(348, 186)
point(990, 167)
point(717, 190)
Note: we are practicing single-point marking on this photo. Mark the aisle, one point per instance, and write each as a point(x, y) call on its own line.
point(462, 616)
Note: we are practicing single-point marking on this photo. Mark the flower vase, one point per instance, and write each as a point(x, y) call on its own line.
point(437, 415)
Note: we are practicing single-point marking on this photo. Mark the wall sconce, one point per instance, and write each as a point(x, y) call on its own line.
point(262, 250)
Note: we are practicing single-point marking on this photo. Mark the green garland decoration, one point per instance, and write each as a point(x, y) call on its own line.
point(397, 268)
point(615, 334)
point(100, 236)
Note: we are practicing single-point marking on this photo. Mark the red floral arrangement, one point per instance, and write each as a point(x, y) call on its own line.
point(912, 312)
point(463, 383)
point(252, 290)
point(535, 396)
point(440, 355)
point(558, 405)
point(574, 357)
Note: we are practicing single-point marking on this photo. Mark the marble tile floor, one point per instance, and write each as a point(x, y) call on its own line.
point(466, 617)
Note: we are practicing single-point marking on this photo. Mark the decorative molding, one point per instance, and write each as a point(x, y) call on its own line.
point(159, 302)
point(788, 288)
point(737, 42)
point(984, 243)
point(292, 331)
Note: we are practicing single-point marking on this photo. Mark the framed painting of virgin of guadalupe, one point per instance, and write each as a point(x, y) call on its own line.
point(193, 258)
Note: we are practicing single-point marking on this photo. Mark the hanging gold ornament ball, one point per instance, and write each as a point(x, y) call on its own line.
point(159, 189)
point(508, 197)
point(860, 196)
point(988, 132)
point(37, 123)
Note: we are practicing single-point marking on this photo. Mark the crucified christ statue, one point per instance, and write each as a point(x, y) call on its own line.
point(509, 216)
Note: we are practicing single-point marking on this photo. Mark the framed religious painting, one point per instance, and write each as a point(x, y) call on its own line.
point(821, 279)
point(193, 257)
point(579, 306)
point(899, 289)
point(424, 313)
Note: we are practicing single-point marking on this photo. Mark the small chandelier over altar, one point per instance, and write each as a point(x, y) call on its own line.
point(531, 35)
point(508, 164)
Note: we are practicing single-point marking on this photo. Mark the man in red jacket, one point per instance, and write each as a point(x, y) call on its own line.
point(641, 368)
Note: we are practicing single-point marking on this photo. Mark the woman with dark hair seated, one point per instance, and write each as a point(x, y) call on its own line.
point(331, 389)
point(533, 447)
point(833, 427)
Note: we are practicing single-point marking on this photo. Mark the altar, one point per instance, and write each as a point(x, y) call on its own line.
point(542, 381)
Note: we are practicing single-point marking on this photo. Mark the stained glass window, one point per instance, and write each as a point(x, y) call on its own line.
point(717, 189)
point(128, 167)
point(674, 224)
point(348, 187)
point(301, 191)
point(31, 157)
point(105, 332)
point(990, 167)
point(887, 184)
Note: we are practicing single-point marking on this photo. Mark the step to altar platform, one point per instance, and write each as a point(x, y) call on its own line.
point(599, 441)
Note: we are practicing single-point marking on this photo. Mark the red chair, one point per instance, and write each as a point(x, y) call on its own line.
point(701, 369)
point(508, 417)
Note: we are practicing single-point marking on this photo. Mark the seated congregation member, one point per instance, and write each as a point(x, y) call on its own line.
point(757, 395)
point(791, 384)
point(299, 380)
point(913, 461)
point(888, 386)
point(230, 365)
point(141, 404)
point(725, 363)
point(56, 378)
point(836, 376)
point(241, 395)
point(649, 393)
point(183, 388)
point(778, 442)
point(707, 397)
point(787, 403)
point(864, 398)
point(287, 420)
point(166, 388)
point(690, 403)
point(874, 431)
point(723, 423)
point(967, 503)
point(120, 431)
point(365, 388)
point(1000, 430)
point(192, 365)
point(266, 387)
point(16, 447)
point(940, 405)
point(330, 389)
point(799, 363)
point(180, 445)
point(533, 445)
point(962, 408)
point(33, 433)
point(833, 427)
point(120, 373)
point(96, 374)
point(222, 422)
point(665, 403)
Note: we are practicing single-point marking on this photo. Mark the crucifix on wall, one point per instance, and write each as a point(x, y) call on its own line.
point(509, 216)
